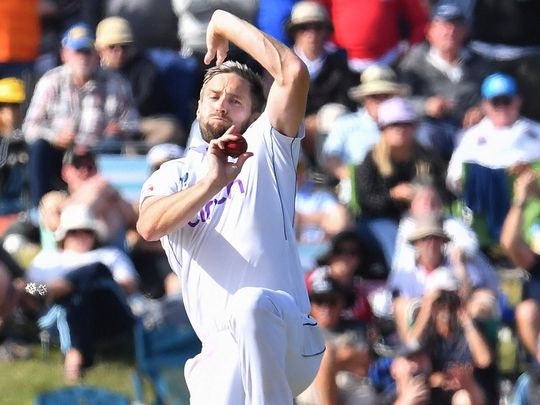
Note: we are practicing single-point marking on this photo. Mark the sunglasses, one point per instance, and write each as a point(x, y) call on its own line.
point(123, 47)
point(311, 27)
point(346, 251)
point(78, 232)
point(329, 301)
point(501, 101)
point(379, 97)
point(90, 166)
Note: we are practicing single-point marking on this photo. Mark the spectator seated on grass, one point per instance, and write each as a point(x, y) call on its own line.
point(86, 285)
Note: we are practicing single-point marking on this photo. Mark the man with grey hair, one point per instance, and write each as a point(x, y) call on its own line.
point(226, 225)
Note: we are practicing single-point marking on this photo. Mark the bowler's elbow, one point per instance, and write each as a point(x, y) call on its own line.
point(147, 230)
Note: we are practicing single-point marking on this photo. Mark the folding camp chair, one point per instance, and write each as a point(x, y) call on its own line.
point(81, 395)
point(161, 353)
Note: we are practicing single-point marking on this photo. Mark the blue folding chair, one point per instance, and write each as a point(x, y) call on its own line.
point(81, 395)
point(160, 354)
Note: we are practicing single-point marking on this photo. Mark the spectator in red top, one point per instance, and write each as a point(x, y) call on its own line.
point(369, 30)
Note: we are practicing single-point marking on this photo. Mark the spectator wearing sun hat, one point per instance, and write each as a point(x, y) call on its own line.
point(353, 135)
point(444, 76)
point(502, 139)
point(88, 285)
point(309, 27)
point(384, 179)
point(118, 51)
point(77, 103)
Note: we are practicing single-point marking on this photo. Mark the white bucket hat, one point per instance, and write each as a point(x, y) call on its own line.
point(75, 217)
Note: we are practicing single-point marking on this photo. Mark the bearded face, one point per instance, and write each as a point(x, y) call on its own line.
point(225, 101)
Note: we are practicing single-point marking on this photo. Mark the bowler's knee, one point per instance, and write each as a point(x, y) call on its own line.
point(251, 306)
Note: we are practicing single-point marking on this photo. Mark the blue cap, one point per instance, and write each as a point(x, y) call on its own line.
point(498, 84)
point(449, 12)
point(78, 36)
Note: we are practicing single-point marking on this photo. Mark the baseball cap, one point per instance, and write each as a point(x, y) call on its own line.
point(448, 12)
point(79, 36)
point(394, 111)
point(498, 84)
point(113, 31)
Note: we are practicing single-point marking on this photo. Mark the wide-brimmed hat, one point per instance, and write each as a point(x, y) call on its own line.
point(378, 79)
point(77, 217)
point(113, 31)
point(307, 12)
point(429, 225)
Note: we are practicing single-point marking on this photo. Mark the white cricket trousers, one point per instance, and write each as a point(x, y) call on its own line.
point(269, 353)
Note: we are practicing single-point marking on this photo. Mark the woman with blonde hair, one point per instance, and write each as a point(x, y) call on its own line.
point(384, 179)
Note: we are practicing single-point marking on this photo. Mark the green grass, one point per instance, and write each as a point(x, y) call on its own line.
point(22, 380)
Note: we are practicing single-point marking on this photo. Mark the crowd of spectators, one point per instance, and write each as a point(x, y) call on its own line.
point(417, 187)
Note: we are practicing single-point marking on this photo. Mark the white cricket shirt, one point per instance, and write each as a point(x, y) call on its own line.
point(244, 235)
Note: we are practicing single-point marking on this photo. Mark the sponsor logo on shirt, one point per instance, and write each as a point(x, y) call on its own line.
point(227, 193)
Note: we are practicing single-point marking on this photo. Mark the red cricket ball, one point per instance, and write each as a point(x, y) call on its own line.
point(237, 147)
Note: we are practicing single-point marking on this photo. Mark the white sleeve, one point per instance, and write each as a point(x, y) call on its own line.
point(164, 181)
point(119, 264)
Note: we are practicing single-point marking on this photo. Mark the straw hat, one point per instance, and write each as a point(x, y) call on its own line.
point(428, 226)
point(113, 31)
point(377, 80)
point(306, 12)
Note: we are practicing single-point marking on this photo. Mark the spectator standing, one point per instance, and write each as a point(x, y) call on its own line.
point(118, 52)
point(444, 77)
point(76, 103)
point(369, 30)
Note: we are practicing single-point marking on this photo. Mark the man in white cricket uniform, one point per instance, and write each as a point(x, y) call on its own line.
point(227, 227)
